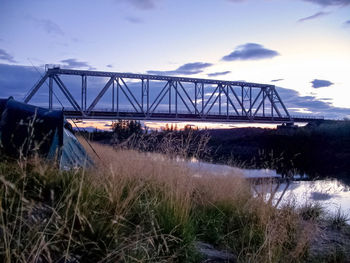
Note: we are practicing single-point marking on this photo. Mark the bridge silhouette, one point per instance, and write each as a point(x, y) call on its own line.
point(168, 98)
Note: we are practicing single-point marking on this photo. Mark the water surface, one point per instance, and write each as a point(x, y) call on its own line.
point(332, 193)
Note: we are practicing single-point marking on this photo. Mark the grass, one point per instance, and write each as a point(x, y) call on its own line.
point(339, 219)
point(136, 207)
point(312, 211)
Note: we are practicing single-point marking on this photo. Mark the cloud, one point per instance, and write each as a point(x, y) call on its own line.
point(314, 16)
point(295, 103)
point(143, 4)
point(330, 2)
point(6, 56)
point(73, 63)
point(186, 69)
point(16, 80)
point(250, 51)
point(347, 23)
point(48, 26)
point(194, 66)
point(133, 20)
point(276, 80)
point(215, 74)
point(320, 83)
point(109, 66)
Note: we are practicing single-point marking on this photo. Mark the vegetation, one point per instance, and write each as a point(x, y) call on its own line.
point(311, 211)
point(339, 219)
point(171, 142)
point(137, 208)
point(318, 149)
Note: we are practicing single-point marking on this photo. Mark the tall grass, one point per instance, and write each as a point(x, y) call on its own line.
point(185, 144)
point(133, 207)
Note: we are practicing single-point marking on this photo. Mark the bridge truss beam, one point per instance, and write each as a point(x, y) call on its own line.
point(233, 100)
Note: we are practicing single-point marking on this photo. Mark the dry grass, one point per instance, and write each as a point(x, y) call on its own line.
point(137, 207)
point(281, 232)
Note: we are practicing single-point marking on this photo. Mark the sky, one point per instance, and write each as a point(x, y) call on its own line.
point(301, 46)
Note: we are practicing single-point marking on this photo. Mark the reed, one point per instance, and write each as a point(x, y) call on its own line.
point(138, 207)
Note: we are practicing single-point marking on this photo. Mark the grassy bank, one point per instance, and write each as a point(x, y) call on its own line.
point(319, 149)
point(135, 208)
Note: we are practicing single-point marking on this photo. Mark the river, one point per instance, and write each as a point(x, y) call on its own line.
point(332, 193)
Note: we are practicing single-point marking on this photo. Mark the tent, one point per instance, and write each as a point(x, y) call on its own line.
point(26, 129)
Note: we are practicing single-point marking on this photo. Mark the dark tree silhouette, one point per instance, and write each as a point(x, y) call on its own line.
point(123, 129)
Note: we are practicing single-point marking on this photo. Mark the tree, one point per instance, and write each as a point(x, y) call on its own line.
point(123, 129)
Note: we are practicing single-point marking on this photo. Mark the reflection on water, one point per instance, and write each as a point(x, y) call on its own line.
point(226, 170)
point(332, 194)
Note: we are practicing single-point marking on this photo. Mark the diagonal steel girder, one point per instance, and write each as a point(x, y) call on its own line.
point(175, 86)
point(159, 98)
point(177, 93)
point(229, 99)
point(189, 98)
point(100, 95)
point(132, 95)
point(36, 88)
point(127, 96)
point(239, 101)
point(270, 95)
point(66, 92)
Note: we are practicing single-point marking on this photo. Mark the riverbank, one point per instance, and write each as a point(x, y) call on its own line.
point(317, 150)
point(133, 208)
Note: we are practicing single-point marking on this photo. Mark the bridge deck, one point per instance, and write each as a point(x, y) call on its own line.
point(108, 115)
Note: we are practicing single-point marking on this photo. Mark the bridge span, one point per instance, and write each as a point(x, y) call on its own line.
point(163, 116)
point(157, 97)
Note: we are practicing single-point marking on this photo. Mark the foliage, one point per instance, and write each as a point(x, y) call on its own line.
point(339, 219)
point(135, 208)
point(123, 129)
point(311, 211)
point(316, 149)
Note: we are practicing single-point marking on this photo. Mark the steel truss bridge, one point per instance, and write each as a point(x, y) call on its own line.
point(156, 97)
